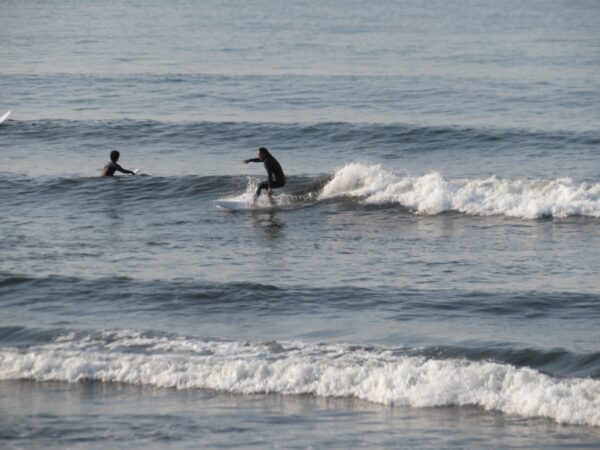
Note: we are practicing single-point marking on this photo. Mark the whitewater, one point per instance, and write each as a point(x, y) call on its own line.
point(433, 194)
point(294, 368)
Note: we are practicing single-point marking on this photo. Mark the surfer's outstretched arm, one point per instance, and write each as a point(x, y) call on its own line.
point(120, 169)
point(246, 161)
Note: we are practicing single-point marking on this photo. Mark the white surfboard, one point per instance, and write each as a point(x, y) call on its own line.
point(135, 171)
point(236, 205)
point(245, 205)
point(4, 117)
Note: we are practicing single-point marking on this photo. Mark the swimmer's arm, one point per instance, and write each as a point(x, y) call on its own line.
point(120, 169)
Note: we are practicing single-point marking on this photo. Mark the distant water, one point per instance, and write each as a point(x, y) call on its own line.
point(428, 277)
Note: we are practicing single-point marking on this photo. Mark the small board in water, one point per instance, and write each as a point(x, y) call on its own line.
point(236, 205)
point(4, 117)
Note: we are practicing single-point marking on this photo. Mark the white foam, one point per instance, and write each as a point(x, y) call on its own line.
point(291, 368)
point(433, 194)
point(247, 197)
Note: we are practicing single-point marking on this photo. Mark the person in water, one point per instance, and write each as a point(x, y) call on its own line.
point(112, 167)
point(276, 177)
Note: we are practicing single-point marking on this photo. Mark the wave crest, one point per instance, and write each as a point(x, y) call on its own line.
point(433, 194)
point(293, 368)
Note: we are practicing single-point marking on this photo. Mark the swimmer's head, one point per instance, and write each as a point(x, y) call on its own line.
point(114, 156)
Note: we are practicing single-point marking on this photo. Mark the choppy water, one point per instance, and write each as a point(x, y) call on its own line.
point(429, 277)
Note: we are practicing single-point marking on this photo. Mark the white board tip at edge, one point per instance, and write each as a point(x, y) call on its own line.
point(5, 116)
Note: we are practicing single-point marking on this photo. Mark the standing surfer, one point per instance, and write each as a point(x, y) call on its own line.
point(276, 177)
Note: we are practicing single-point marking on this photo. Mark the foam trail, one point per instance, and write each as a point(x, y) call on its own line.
point(291, 368)
point(247, 197)
point(433, 194)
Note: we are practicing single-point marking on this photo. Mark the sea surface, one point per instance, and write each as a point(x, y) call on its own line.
point(427, 278)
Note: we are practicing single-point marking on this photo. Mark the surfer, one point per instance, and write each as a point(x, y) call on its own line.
point(112, 167)
point(276, 177)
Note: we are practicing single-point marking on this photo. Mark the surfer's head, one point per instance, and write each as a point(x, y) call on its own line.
point(263, 153)
point(114, 156)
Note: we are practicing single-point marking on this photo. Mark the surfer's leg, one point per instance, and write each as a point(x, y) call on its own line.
point(276, 184)
point(261, 186)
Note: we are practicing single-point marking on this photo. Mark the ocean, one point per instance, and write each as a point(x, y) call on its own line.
point(428, 277)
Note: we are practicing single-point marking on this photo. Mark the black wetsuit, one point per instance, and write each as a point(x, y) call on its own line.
point(274, 172)
point(110, 169)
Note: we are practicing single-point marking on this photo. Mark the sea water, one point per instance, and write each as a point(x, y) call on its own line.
point(428, 277)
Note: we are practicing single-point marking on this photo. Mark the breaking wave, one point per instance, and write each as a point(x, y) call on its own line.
point(379, 375)
point(433, 194)
point(428, 194)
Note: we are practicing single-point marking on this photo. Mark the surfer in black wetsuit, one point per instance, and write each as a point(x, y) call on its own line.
point(274, 173)
point(112, 167)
